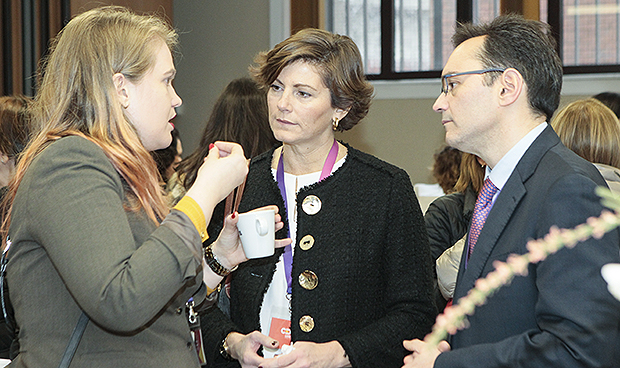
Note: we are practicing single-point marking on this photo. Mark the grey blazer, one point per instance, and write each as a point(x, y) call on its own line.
point(76, 248)
point(560, 314)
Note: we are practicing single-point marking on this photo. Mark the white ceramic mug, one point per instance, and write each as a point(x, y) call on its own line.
point(257, 233)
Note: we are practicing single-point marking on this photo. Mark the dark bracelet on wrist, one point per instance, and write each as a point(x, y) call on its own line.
point(224, 348)
point(214, 264)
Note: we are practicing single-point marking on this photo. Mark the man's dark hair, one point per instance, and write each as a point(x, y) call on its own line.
point(611, 100)
point(525, 45)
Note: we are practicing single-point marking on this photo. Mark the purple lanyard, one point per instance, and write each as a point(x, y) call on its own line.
point(327, 170)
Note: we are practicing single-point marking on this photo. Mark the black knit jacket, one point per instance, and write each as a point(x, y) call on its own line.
point(370, 254)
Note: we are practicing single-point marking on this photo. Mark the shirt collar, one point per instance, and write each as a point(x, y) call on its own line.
point(504, 168)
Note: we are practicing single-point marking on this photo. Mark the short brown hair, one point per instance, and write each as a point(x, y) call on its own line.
point(446, 168)
point(591, 130)
point(471, 174)
point(14, 124)
point(337, 60)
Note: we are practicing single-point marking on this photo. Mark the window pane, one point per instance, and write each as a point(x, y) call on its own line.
point(591, 32)
point(422, 31)
point(485, 10)
point(544, 10)
point(423, 28)
point(360, 20)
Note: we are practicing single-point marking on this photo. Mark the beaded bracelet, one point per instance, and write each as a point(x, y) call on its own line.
point(214, 264)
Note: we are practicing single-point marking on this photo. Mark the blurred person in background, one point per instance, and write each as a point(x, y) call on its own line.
point(446, 168)
point(15, 130)
point(168, 159)
point(592, 131)
point(611, 100)
point(447, 221)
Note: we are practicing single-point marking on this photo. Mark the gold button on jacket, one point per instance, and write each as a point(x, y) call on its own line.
point(306, 323)
point(311, 205)
point(306, 242)
point(308, 280)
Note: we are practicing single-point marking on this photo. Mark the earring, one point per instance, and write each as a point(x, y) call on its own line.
point(335, 123)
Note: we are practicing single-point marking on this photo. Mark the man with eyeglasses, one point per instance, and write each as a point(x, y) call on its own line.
point(500, 87)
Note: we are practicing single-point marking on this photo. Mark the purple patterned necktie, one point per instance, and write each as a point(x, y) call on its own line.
point(481, 211)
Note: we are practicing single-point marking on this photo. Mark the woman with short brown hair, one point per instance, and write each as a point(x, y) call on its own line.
point(357, 278)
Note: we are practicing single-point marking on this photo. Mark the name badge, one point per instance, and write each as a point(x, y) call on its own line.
point(280, 330)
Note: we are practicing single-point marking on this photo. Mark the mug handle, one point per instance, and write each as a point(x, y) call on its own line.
point(262, 228)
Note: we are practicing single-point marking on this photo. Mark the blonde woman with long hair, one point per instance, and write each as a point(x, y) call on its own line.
point(592, 130)
point(90, 232)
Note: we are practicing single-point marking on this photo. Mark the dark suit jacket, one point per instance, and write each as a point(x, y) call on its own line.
point(560, 314)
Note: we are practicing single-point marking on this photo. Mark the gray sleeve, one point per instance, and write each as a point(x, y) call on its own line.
point(181, 225)
point(119, 266)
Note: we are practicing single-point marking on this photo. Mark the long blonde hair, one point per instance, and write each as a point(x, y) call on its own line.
point(77, 96)
point(591, 130)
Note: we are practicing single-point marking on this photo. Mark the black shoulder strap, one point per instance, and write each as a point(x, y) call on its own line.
point(74, 341)
point(78, 331)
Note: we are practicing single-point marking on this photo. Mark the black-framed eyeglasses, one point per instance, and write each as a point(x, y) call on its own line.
point(445, 87)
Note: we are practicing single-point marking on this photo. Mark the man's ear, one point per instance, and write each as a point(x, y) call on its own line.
point(511, 86)
point(122, 92)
